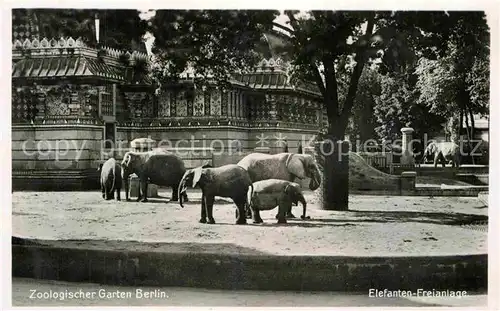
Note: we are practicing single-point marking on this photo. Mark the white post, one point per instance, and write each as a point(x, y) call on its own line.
point(407, 152)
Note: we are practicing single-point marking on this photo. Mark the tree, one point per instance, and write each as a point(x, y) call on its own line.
point(322, 44)
point(397, 106)
point(456, 85)
point(213, 43)
point(120, 29)
point(363, 122)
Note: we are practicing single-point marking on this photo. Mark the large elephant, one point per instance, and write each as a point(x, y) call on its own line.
point(442, 151)
point(111, 179)
point(285, 166)
point(229, 181)
point(159, 168)
point(269, 193)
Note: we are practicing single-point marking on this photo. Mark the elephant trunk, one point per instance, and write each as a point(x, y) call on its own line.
point(315, 180)
point(182, 189)
point(304, 206)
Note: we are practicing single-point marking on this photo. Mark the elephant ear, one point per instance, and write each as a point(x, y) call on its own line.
point(196, 175)
point(295, 165)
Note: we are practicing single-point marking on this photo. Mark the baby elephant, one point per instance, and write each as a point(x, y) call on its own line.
point(111, 179)
point(269, 193)
point(228, 181)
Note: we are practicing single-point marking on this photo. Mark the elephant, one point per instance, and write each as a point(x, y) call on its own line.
point(159, 168)
point(442, 151)
point(269, 193)
point(285, 166)
point(228, 181)
point(111, 179)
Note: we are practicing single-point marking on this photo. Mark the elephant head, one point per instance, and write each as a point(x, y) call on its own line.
point(429, 151)
point(294, 193)
point(303, 166)
point(191, 177)
point(130, 164)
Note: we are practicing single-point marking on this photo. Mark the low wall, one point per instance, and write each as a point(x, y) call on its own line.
point(248, 271)
point(55, 157)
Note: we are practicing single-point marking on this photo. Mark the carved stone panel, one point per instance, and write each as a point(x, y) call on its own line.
point(57, 105)
point(206, 101)
point(216, 102)
point(198, 103)
point(181, 104)
point(164, 104)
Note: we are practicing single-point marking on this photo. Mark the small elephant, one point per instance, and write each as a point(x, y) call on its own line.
point(285, 166)
point(159, 168)
point(228, 181)
point(442, 151)
point(111, 179)
point(269, 193)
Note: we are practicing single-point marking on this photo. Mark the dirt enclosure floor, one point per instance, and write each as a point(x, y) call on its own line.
point(374, 225)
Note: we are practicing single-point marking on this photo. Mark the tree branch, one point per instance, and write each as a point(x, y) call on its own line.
point(318, 79)
point(331, 93)
point(358, 70)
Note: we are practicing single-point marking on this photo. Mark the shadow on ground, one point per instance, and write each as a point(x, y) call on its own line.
point(451, 219)
point(113, 245)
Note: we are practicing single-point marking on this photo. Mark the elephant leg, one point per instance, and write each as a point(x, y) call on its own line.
point(144, 185)
point(102, 190)
point(203, 218)
point(442, 158)
point(288, 211)
point(126, 185)
point(175, 194)
point(240, 204)
point(248, 211)
point(256, 216)
point(283, 209)
point(209, 206)
point(118, 194)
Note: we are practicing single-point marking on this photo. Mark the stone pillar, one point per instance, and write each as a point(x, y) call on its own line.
point(408, 180)
point(407, 152)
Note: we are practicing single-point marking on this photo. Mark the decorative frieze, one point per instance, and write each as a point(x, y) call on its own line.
point(217, 103)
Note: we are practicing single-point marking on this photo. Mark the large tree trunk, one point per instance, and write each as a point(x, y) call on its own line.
point(468, 135)
point(473, 125)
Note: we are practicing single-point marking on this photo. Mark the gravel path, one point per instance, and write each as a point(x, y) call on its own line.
point(374, 225)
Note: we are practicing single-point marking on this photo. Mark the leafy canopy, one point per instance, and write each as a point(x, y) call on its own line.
point(212, 44)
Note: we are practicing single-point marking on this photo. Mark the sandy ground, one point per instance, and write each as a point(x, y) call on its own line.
point(374, 225)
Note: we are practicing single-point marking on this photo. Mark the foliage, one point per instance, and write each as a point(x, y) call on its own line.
point(363, 120)
point(456, 84)
point(212, 44)
point(118, 28)
point(397, 106)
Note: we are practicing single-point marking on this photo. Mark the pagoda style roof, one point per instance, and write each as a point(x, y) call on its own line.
point(65, 66)
point(273, 74)
point(70, 58)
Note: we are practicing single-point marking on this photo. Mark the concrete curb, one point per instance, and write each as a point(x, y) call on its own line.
point(245, 270)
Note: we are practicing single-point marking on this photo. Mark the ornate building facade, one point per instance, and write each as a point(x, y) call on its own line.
point(73, 106)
